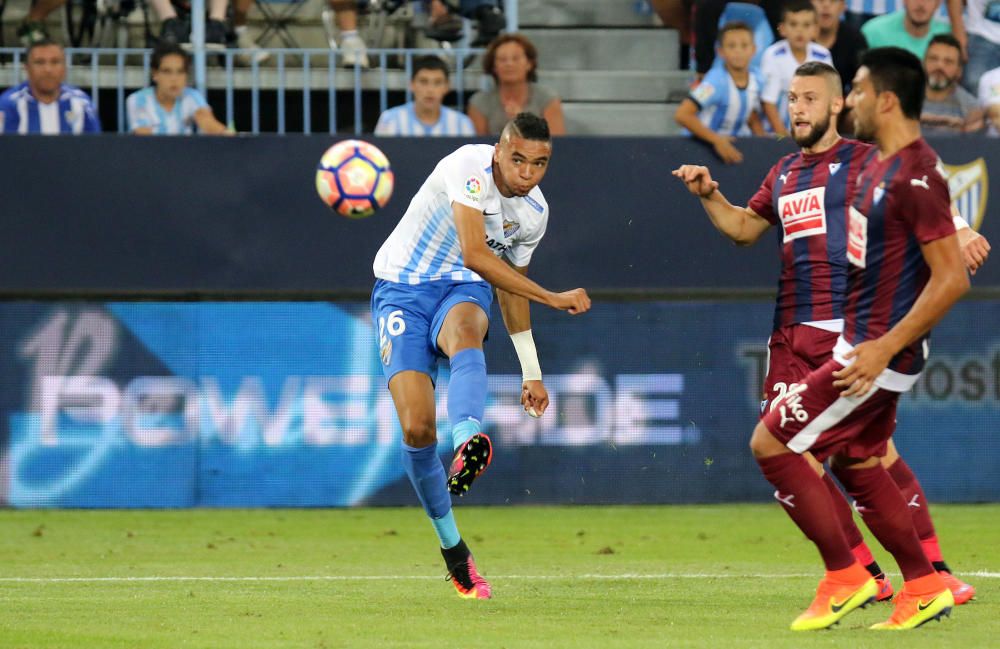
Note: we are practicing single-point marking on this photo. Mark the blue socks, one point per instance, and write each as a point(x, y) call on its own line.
point(467, 390)
point(430, 482)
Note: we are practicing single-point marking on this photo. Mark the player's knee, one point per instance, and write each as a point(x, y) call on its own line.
point(464, 335)
point(418, 432)
point(763, 443)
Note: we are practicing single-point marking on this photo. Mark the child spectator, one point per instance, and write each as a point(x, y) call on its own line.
point(426, 115)
point(170, 106)
point(800, 29)
point(726, 103)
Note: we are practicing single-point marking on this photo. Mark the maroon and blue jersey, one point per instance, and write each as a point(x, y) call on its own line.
point(809, 195)
point(901, 203)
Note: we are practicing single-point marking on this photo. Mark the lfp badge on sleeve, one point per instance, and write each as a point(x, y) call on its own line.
point(969, 187)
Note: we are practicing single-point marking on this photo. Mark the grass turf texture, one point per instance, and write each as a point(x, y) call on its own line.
point(689, 576)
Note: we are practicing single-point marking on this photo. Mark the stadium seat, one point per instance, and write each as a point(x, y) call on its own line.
point(754, 16)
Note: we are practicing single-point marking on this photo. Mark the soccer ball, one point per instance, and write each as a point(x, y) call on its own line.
point(353, 179)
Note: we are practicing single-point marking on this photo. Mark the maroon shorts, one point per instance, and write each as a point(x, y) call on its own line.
point(812, 416)
point(793, 351)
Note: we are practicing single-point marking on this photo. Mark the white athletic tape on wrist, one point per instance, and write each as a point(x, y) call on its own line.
point(960, 223)
point(524, 345)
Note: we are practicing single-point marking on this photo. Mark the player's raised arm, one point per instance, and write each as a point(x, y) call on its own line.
point(516, 312)
point(478, 257)
point(740, 224)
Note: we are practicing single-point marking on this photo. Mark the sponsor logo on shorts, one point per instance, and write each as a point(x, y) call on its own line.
point(790, 407)
point(385, 351)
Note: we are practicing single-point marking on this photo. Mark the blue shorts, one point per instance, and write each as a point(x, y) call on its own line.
point(408, 318)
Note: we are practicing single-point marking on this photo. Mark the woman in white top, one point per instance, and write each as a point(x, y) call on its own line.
point(170, 106)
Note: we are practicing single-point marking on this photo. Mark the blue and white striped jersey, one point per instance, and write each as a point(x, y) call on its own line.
point(424, 247)
point(722, 105)
point(71, 114)
point(144, 110)
point(402, 120)
point(778, 67)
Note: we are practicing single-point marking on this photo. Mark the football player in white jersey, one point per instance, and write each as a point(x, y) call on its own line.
point(471, 227)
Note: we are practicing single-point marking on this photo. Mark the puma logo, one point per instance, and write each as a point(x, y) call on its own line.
point(913, 501)
point(920, 183)
point(784, 500)
point(783, 177)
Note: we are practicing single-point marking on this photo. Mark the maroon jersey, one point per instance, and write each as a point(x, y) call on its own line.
point(808, 195)
point(901, 203)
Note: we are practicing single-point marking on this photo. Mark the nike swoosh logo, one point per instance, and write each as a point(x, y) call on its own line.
point(923, 607)
point(835, 607)
point(491, 213)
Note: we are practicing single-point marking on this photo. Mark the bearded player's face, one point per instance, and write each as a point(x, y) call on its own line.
point(810, 109)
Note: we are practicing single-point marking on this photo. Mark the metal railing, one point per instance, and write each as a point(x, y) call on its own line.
point(305, 71)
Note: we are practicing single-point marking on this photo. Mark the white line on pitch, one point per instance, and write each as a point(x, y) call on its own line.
point(593, 577)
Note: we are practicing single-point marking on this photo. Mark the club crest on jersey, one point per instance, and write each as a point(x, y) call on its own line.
point(509, 228)
point(473, 188)
point(878, 193)
point(857, 237)
point(968, 185)
point(834, 168)
point(803, 214)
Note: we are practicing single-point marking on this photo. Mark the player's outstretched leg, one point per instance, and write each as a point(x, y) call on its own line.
point(413, 395)
point(919, 509)
point(856, 541)
point(924, 595)
point(846, 585)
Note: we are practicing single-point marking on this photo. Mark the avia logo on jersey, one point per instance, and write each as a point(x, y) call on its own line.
point(857, 237)
point(803, 214)
point(473, 188)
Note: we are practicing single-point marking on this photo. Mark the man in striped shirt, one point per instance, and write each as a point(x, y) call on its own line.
point(425, 115)
point(44, 104)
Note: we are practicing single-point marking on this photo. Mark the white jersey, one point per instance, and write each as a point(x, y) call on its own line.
point(778, 66)
point(989, 94)
point(881, 7)
point(982, 18)
point(403, 120)
point(145, 111)
point(424, 247)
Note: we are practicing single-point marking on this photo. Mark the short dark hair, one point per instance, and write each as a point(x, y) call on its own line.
point(895, 70)
point(45, 42)
point(163, 50)
point(733, 26)
point(530, 51)
point(945, 39)
point(528, 126)
point(429, 62)
point(820, 69)
point(795, 6)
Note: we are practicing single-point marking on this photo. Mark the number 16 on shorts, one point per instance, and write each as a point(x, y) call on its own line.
point(388, 328)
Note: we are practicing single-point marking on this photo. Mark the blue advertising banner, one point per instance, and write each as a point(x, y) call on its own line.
point(155, 404)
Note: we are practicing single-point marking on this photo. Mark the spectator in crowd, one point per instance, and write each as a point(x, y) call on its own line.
point(33, 30)
point(989, 99)
point(170, 106)
point(177, 30)
point(861, 11)
point(251, 51)
point(845, 42)
point(777, 67)
point(446, 24)
point(45, 104)
point(512, 61)
point(725, 104)
point(978, 31)
point(949, 109)
point(426, 115)
point(912, 28)
point(351, 45)
point(706, 25)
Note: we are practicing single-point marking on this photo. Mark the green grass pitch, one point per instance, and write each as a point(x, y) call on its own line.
point(573, 577)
